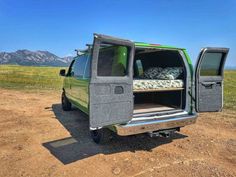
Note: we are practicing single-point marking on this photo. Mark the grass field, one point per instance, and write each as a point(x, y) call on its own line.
point(230, 90)
point(30, 77)
point(47, 78)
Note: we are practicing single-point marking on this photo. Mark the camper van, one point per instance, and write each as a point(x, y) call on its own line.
point(129, 88)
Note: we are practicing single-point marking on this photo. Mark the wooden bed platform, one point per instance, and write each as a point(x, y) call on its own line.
point(151, 107)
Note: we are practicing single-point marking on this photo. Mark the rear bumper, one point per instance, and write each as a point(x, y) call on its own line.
point(154, 125)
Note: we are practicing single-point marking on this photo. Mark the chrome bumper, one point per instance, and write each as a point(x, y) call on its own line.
point(138, 127)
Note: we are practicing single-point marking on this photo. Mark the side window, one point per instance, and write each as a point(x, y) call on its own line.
point(112, 61)
point(88, 67)
point(211, 64)
point(139, 67)
point(70, 68)
point(79, 66)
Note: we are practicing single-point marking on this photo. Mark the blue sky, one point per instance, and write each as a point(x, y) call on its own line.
point(60, 26)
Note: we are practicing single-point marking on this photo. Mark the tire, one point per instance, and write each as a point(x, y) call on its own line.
point(65, 103)
point(101, 136)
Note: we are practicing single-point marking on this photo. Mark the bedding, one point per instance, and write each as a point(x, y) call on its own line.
point(152, 73)
point(168, 73)
point(157, 84)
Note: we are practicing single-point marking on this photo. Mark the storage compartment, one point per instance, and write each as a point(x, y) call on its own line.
point(159, 81)
point(158, 101)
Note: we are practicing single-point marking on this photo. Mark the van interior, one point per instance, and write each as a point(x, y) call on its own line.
point(154, 92)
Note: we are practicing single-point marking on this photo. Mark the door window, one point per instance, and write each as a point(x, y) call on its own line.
point(113, 60)
point(211, 64)
point(88, 68)
point(139, 66)
point(79, 66)
point(70, 68)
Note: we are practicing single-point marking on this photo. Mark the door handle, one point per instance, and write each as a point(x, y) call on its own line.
point(208, 84)
point(119, 90)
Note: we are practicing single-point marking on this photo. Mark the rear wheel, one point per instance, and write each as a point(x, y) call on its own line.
point(101, 136)
point(66, 105)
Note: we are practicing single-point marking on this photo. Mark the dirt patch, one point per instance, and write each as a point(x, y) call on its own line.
point(38, 139)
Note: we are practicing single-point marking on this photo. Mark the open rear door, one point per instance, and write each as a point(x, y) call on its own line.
point(209, 73)
point(111, 85)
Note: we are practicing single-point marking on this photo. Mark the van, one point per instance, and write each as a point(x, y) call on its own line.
point(134, 87)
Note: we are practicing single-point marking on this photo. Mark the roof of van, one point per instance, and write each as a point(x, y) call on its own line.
point(143, 44)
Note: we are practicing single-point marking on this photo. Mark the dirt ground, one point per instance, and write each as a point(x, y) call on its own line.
point(38, 139)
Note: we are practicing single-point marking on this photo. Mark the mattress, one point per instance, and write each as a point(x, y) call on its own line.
point(145, 84)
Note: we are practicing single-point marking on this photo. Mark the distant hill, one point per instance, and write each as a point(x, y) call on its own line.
point(33, 58)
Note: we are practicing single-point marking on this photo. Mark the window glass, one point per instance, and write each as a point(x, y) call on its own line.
point(70, 68)
point(79, 66)
point(112, 60)
point(88, 68)
point(139, 66)
point(211, 63)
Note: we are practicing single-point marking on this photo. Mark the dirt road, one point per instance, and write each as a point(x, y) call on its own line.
point(38, 139)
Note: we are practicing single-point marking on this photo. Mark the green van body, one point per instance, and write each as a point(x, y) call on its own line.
point(203, 90)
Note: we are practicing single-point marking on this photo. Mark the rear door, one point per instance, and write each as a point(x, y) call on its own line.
point(209, 73)
point(111, 85)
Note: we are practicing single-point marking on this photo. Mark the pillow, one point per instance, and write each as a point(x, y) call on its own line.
point(170, 73)
point(152, 73)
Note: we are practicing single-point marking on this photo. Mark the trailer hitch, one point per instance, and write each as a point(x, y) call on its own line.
point(163, 133)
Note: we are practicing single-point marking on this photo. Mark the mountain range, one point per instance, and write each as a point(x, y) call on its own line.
point(33, 58)
point(42, 58)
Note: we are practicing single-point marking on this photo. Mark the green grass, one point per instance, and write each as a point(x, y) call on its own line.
point(230, 90)
point(30, 77)
point(47, 78)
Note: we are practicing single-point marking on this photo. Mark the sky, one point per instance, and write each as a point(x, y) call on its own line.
point(60, 26)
